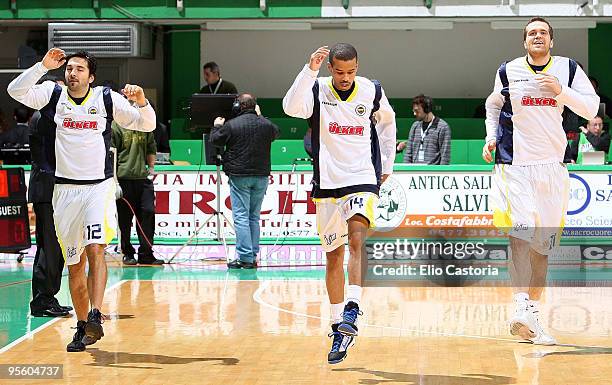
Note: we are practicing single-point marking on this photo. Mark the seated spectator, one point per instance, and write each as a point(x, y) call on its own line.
point(18, 136)
point(430, 137)
point(592, 138)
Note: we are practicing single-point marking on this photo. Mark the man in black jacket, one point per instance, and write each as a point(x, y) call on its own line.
point(246, 161)
point(48, 262)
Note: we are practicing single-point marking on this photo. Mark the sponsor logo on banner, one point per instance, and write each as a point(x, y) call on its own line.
point(597, 253)
point(565, 254)
point(392, 204)
point(185, 201)
point(589, 212)
point(580, 195)
point(451, 204)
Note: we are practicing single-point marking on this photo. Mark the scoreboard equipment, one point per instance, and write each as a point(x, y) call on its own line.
point(14, 222)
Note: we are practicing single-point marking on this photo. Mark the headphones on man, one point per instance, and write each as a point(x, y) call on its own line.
point(427, 104)
point(236, 108)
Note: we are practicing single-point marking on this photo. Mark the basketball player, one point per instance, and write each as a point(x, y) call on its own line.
point(530, 182)
point(353, 145)
point(79, 118)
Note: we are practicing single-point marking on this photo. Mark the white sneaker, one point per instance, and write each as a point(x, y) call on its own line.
point(522, 324)
point(541, 337)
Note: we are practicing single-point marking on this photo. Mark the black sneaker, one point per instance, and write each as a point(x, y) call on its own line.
point(349, 319)
point(77, 345)
point(150, 261)
point(235, 264)
point(88, 340)
point(340, 345)
point(248, 265)
point(129, 260)
point(93, 328)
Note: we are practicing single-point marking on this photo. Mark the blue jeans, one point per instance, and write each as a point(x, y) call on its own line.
point(247, 193)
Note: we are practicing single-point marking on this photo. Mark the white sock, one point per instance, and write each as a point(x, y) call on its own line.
point(336, 312)
point(354, 294)
point(520, 297)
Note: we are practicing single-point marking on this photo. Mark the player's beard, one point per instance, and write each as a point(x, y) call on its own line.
point(76, 87)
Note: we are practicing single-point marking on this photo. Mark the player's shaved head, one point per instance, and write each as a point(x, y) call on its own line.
point(342, 51)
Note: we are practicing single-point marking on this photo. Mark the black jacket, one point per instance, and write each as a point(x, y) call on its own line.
point(247, 140)
point(42, 148)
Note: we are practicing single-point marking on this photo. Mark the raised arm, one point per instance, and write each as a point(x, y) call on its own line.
point(299, 100)
point(140, 117)
point(24, 88)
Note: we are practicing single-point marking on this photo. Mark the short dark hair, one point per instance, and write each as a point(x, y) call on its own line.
point(534, 19)
point(342, 51)
point(22, 114)
point(424, 101)
point(247, 102)
point(211, 66)
point(92, 62)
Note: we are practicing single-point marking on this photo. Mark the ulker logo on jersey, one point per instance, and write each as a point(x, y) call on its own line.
point(545, 102)
point(80, 124)
point(335, 128)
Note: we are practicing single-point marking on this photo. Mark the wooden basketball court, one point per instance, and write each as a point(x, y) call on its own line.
point(198, 324)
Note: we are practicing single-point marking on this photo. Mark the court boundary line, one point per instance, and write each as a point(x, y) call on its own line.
point(42, 327)
point(257, 298)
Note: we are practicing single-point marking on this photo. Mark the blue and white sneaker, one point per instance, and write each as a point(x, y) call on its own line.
point(340, 345)
point(349, 319)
